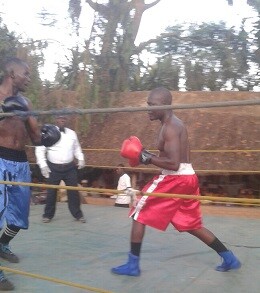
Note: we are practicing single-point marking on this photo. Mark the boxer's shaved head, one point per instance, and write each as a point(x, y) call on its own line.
point(163, 94)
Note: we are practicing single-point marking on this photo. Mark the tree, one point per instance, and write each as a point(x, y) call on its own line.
point(28, 50)
point(112, 40)
point(8, 42)
point(203, 54)
point(31, 51)
point(211, 55)
point(164, 73)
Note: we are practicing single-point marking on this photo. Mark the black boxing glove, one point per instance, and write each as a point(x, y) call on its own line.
point(50, 134)
point(15, 103)
point(145, 157)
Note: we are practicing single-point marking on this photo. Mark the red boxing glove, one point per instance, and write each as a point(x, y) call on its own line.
point(131, 149)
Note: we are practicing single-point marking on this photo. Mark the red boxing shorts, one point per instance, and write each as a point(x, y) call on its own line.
point(159, 212)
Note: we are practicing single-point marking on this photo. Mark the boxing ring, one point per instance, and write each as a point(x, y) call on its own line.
point(66, 256)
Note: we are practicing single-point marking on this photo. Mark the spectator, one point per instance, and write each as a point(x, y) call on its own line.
point(221, 192)
point(245, 192)
point(123, 200)
point(204, 190)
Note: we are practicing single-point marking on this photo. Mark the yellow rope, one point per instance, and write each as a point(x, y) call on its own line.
point(225, 151)
point(113, 191)
point(203, 200)
point(229, 171)
point(67, 283)
point(193, 151)
point(157, 169)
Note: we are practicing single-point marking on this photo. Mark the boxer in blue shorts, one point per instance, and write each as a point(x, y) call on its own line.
point(15, 131)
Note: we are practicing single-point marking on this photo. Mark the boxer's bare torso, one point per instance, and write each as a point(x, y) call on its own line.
point(173, 144)
point(16, 131)
point(13, 133)
point(173, 135)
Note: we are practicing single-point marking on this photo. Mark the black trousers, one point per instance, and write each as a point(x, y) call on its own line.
point(67, 173)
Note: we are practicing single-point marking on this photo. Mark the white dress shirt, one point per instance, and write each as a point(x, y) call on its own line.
point(62, 152)
point(124, 182)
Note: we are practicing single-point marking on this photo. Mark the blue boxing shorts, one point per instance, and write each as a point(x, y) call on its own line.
point(14, 199)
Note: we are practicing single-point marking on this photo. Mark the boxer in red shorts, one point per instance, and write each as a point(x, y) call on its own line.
point(178, 177)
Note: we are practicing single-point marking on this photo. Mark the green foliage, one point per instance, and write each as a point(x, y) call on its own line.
point(34, 90)
point(8, 44)
point(111, 43)
point(212, 56)
point(8, 41)
point(164, 73)
point(30, 51)
point(196, 57)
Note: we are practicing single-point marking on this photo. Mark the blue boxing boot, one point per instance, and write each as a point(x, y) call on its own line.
point(230, 262)
point(131, 268)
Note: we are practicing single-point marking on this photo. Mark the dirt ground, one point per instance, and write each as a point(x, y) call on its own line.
point(232, 211)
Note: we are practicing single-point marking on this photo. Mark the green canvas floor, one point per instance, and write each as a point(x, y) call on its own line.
point(171, 262)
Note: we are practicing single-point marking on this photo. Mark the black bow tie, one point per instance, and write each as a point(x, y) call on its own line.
point(62, 129)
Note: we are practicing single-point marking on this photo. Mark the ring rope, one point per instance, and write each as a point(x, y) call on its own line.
point(105, 190)
point(193, 151)
point(216, 199)
point(59, 281)
point(134, 109)
point(202, 201)
point(127, 109)
point(157, 169)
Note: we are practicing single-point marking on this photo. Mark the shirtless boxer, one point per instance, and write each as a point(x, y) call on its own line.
point(177, 177)
point(14, 134)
